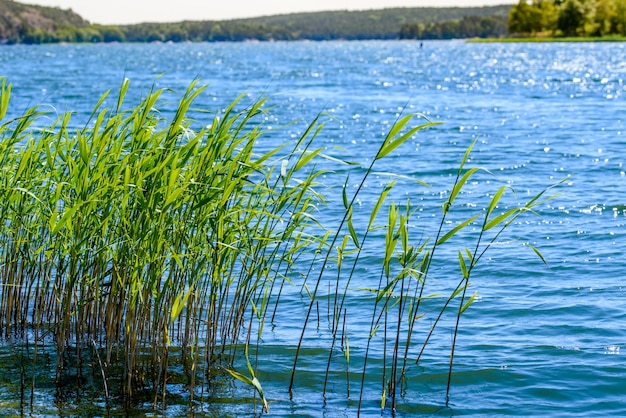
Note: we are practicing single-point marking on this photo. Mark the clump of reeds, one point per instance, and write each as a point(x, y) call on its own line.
point(405, 267)
point(136, 233)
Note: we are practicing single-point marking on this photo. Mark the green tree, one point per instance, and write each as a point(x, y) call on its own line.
point(411, 31)
point(618, 21)
point(154, 36)
point(549, 15)
point(36, 36)
point(176, 34)
point(525, 18)
point(110, 33)
point(66, 34)
point(217, 34)
point(88, 34)
point(603, 17)
point(571, 18)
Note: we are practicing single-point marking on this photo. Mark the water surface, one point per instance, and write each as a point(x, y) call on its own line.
point(539, 340)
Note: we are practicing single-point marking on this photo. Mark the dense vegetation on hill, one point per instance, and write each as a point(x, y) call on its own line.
point(568, 18)
point(350, 25)
point(466, 27)
point(20, 23)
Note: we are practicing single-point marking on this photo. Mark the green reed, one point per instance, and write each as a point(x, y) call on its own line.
point(405, 268)
point(137, 234)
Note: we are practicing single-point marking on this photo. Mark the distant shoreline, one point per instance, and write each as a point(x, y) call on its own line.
point(550, 39)
point(53, 25)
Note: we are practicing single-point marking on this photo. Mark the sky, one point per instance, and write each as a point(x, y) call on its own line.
point(137, 11)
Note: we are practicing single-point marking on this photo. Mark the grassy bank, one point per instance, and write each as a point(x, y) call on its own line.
point(138, 237)
point(614, 38)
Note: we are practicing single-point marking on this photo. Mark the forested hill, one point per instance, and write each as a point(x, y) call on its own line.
point(350, 25)
point(20, 23)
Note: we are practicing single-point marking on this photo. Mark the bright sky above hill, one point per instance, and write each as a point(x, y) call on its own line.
point(136, 11)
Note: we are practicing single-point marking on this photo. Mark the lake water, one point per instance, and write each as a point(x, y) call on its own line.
point(539, 340)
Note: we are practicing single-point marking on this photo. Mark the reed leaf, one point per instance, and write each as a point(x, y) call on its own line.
point(379, 202)
point(353, 235)
point(464, 270)
point(501, 218)
point(306, 158)
point(458, 186)
point(494, 201)
point(537, 252)
point(392, 141)
point(5, 94)
point(468, 303)
point(456, 229)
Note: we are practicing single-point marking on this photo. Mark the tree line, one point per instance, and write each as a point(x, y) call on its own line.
point(55, 25)
point(467, 27)
point(236, 31)
point(71, 34)
point(568, 18)
point(349, 25)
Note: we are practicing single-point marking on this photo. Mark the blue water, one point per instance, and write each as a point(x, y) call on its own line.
point(539, 340)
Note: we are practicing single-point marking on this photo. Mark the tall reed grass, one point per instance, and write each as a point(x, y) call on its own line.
point(136, 234)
